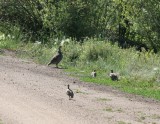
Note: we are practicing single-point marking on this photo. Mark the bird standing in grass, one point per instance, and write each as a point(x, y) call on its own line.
point(69, 92)
point(94, 74)
point(114, 76)
point(57, 58)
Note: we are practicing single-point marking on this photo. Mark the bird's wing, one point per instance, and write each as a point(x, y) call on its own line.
point(72, 94)
point(91, 73)
point(67, 91)
point(55, 57)
point(113, 74)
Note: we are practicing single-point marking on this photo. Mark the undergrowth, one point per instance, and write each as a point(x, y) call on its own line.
point(1, 121)
point(139, 71)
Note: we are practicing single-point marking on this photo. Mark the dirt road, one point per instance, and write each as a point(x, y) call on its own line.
point(36, 94)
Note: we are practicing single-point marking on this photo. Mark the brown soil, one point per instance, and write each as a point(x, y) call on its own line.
point(36, 94)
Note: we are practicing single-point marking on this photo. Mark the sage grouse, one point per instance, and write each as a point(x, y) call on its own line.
point(57, 58)
point(114, 76)
point(94, 74)
point(69, 92)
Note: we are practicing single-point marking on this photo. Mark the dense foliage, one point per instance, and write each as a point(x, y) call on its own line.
point(128, 22)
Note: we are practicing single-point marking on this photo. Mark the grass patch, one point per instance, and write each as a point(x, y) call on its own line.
point(122, 122)
point(108, 109)
point(155, 116)
point(147, 92)
point(142, 118)
point(79, 91)
point(119, 110)
point(1, 121)
point(103, 99)
point(145, 88)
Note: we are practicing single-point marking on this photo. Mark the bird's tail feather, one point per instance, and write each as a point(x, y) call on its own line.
point(72, 96)
point(49, 63)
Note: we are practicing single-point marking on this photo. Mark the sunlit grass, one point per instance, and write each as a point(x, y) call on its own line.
point(108, 109)
point(1, 121)
point(103, 99)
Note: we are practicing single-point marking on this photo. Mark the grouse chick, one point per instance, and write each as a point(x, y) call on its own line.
point(114, 76)
point(94, 74)
point(69, 92)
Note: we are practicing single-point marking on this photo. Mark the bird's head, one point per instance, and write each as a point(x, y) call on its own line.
point(59, 48)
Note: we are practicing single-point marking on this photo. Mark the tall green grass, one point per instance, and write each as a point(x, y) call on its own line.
point(139, 71)
point(103, 57)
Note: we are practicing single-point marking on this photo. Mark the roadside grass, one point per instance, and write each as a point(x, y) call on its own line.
point(122, 122)
point(140, 87)
point(139, 71)
point(145, 89)
point(8, 44)
point(139, 90)
point(103, 99)
point(37, 52)
point(155, 116)
point(108, 109)
point(1, 121)
point(120, 110)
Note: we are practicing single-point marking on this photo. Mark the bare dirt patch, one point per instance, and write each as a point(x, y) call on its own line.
point(36, 94)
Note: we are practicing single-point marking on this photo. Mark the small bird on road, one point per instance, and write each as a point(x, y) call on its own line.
point(57, 58)
point(69, 92)
point(114, 76)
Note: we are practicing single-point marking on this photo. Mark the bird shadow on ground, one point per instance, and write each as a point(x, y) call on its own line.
point(72, 99)
point(62, 68)
point(59, 67)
